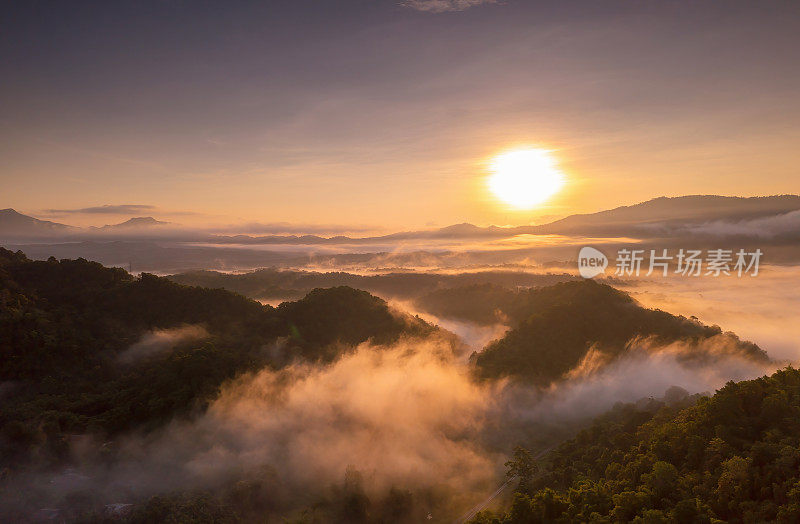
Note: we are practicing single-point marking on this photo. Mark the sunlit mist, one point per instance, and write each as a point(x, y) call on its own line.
point(525, 178)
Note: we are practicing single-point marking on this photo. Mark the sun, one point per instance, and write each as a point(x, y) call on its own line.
point(524, 178)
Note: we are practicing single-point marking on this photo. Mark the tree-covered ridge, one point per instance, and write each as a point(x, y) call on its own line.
point(60, 317)
point(733, 457)
point(64, 324)
point(288, 284)
point(485, 303)
point(347, 316)
point(562, 322)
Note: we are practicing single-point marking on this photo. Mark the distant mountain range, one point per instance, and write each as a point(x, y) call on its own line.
point(665, 214)
point(660, 217)
point(15, 225)
point(133, 224)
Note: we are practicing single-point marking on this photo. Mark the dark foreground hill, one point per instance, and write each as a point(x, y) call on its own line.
point(561, 324)
point(734, 457)
point(84, 348)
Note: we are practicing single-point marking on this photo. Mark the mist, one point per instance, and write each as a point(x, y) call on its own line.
point(474, 336)
point(408, 415)
point(762, 309)
point(160, 341)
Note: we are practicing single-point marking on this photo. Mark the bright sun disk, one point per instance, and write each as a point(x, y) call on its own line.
point(524, 178)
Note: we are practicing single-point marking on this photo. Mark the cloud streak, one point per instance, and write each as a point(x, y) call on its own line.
point(442, 6)
point(107, 209)
point(786, 224)
point(290, 228)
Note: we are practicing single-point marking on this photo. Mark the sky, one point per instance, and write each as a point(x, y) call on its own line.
point(385, 114)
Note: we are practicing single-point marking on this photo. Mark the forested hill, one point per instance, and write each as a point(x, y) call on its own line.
point(558, 325)
point(285, 284)
point(733, 457)
point(65, 326)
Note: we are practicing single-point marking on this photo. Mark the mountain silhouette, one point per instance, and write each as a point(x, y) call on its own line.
point(658, 217)
point(15, 224)
point(134, 223)
point(650, 218)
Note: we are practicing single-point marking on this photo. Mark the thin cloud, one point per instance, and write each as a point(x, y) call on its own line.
point(442, 6)
point(108, 209)
point(275, 228)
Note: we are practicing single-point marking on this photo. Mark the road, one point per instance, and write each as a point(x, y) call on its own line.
point(466, 517)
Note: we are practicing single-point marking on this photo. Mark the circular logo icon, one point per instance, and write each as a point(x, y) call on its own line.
point(591, 262)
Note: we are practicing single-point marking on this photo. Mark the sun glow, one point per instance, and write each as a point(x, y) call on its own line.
point(524, 178)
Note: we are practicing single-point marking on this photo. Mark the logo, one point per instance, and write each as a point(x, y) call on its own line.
point(591, 262)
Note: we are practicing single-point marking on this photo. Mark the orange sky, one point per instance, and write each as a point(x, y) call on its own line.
point(379, 115)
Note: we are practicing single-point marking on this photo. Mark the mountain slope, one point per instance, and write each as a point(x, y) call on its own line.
point(65, 326)
point(134, 223)
point(561, 324)
point(17, 225)
point(734, 457)
point(695, 209)
point(621, 221)
point(288, 284)
point(649, 218)
point(346, 315)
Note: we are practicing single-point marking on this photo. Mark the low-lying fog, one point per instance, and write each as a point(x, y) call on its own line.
point(762, 309)
point(405, 415)
point(410, 414)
